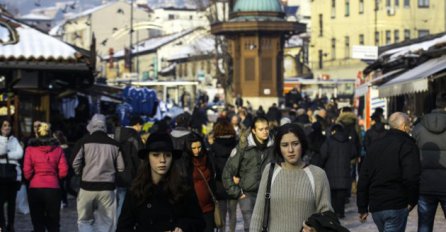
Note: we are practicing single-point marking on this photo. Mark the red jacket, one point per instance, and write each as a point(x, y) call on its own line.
point(44, 164)
point(201, 189)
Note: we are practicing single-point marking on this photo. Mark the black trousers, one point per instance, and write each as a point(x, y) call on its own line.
point(8, 194)
point(338, 201)
point(44, 207)
point(209, 219)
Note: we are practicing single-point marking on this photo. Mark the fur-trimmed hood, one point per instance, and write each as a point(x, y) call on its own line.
point(46, 144)
point(347, 118)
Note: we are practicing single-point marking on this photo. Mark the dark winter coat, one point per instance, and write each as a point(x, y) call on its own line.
point(130, 144)
point(350, 123)
point(336, 153)
point(274, 114)
point(375, 132)
point(220, 151)
point(158, 214)
point(323, 123)
point(315, 140)
point(247, 162)
point(179, 136)
point(430, 134)
point(390, 174)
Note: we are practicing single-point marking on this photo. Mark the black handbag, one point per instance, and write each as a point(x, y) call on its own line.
point(325, 222)
point(267, 199)
point(8, 171)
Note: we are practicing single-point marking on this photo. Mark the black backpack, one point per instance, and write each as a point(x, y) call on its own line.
point(131, 165)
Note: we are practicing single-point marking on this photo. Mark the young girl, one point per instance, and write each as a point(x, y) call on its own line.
point(158, 199)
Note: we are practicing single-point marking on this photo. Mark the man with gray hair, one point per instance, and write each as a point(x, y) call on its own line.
point(97, 161)
point(430, 134)
point(389, 178)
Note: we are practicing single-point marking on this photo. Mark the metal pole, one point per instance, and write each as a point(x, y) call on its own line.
point(130, 34)
point(376, 22)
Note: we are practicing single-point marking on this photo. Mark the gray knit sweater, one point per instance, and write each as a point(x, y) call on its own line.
point(292, 199)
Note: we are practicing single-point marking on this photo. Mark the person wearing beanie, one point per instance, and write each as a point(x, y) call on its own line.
point(97, 160)
point(44, 166)
point(430, 135)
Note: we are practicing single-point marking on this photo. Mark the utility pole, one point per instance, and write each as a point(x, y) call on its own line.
point(131, 37)
point(376, 36)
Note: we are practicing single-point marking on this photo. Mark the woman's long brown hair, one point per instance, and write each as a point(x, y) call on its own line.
point(172, 183)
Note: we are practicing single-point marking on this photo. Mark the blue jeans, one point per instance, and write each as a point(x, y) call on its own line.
point(230, 207)
point(120, 196)
point(247, 206)
point(393, 220)
point(427, 207)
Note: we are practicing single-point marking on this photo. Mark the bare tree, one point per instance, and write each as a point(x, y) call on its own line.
point(217, 11)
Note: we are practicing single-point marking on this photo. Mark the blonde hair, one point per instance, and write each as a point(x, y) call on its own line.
point(44, 129)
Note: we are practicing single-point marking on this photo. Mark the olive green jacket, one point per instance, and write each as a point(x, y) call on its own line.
point(247, 162)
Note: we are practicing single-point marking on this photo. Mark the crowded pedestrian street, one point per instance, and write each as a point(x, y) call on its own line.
point(69, 217)
point(222, 115)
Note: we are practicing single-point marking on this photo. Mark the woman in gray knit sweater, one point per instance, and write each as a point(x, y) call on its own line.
point(297, 190)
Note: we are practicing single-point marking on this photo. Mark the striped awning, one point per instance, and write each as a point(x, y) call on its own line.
point(414, 80)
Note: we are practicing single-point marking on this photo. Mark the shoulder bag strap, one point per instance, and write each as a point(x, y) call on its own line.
point(267, 199)
point(209, 188)
point(7, 158)
point(311, 178)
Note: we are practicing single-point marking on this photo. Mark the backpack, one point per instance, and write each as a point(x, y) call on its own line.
point(126, 177)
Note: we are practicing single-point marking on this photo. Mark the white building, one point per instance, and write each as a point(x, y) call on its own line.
point(110, 24)
point(173, 20)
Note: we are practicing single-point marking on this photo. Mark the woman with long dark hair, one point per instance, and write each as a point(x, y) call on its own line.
point(11, 152)
point(298, 190)
point(224, 142)
point(201, 172)
point(159, 199)
point(45, 165)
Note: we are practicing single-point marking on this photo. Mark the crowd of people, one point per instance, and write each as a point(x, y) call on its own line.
point(286, 170)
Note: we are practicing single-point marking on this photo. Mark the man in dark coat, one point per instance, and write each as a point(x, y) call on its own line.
point(321, 119)
point(430, 134)
point(376, 131)
point(336, 153)
point(389, 178)
point(130, 143)
point(274, 113)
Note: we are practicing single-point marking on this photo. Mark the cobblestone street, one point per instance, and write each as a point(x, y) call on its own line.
point(69, 215)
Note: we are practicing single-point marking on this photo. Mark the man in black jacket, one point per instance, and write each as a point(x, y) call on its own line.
point(130, 143)
point(430, 134)
point(389, 179)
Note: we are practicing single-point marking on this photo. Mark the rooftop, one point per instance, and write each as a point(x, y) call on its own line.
point(258, 5)
point(19, 41)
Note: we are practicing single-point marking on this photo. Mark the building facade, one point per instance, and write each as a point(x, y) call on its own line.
point(110, 23)
point(338, 25)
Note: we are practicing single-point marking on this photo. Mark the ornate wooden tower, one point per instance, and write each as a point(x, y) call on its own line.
point(256, 32)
